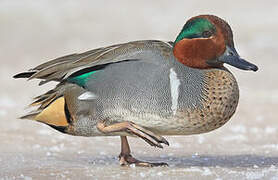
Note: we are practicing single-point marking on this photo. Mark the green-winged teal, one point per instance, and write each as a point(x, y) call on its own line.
point(144, 88)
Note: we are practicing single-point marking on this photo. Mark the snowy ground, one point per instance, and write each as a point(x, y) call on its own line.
point(34, 31)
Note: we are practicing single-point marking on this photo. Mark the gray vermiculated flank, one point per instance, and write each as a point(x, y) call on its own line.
point(143, 86)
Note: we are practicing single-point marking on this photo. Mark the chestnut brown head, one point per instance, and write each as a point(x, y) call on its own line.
point(206, 41)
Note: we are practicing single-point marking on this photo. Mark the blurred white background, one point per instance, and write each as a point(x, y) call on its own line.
point(32, 32)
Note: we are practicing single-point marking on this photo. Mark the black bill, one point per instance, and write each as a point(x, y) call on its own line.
point(231, 57)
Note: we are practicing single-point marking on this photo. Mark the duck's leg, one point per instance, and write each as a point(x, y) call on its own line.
point(126, 158)
point(129, 127)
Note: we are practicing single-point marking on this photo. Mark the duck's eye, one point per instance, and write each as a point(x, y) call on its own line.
point(207, 34)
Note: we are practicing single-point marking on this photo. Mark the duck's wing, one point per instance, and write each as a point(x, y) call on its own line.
point(71, 67)
point(63, 67)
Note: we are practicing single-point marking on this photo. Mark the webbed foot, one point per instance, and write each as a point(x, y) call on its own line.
point(127, 160)
point(132, 128)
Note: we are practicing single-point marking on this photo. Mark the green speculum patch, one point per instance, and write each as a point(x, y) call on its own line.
point(82, 79)
point(195, 29)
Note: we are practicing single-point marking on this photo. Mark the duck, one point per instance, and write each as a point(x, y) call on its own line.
point(146, 89)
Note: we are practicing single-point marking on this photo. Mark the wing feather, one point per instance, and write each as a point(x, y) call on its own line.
point(62, 67)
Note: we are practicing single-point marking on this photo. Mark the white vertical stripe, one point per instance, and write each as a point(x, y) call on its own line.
point(174, 85)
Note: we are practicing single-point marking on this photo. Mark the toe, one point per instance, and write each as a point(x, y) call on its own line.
point(148, 164)
point(127, 160)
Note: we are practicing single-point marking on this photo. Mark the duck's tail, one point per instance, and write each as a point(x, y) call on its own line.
point(51, 108)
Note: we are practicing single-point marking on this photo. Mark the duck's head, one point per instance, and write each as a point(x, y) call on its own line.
point(206, 41)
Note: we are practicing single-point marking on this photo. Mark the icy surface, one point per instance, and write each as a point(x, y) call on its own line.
point(34, 31)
